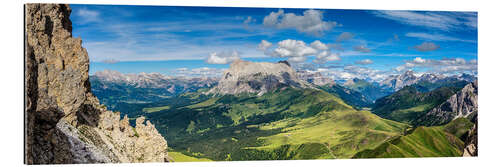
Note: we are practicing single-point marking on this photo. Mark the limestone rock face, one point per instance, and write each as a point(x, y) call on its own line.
point(470, 149)
point(259, 78)
point(64, 122)
point(461, 104)
point(315, 78)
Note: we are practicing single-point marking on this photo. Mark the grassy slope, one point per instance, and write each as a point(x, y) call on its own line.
point(438, 141)
point(351, 97)
point(409, 103)
point(288, 124)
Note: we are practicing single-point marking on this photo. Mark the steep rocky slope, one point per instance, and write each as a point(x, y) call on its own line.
point(470, 149)
point(461, 104)
point(64, 122)
point(259, 78)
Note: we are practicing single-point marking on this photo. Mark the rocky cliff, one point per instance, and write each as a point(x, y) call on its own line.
point(249, 77)
point(64, 122)
point(462, 104)
point(470, 149)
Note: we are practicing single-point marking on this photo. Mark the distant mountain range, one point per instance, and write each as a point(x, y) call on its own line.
point(396, 82)
point(112, 87)
point(257, 111)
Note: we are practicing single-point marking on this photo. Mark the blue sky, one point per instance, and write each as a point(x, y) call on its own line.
point(339, 43)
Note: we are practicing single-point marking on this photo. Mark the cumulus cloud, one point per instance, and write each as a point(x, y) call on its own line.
point(222, 57)
point(426, 46)
point(297, 51)
point(326, 56)
point(311, 22)
point(345, 36)
point(364, 62)
point(319, 45)
point(436, 20)
point(362, 48)
point(293, 48)
point(445, 65)
point(264, 45)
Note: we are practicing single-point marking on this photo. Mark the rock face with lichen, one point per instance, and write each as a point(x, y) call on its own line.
point(64, 121)
point(259, 78)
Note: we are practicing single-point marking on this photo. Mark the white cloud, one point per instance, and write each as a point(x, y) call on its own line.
point(319, 45)
point(311, 22)
point(264, 45)
point(293, 48)
point(345, 36)
point(437, 20)
point(364, 62)
point(222, 57)
point(326, 56)
point(426, 46)
point(445, 65)
point(435, 37)
point(87, 16)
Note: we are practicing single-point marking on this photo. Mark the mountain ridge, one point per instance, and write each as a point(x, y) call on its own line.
point(252, 77)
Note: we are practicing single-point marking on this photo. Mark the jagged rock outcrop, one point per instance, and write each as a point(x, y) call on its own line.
point(397, 82)
point(64, 122)
point(259, 78)
point(461, 104)
point(470, 149)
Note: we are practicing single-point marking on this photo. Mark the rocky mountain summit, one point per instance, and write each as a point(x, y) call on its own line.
point(64, 121)
point(461, 104)
point(397, 82)
point(249, 77)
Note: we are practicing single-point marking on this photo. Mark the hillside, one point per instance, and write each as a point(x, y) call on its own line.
point(351, 97)
point(410, 103)
point(439, 141)
point(287, 123)
point(462, 104)
point(371, 91)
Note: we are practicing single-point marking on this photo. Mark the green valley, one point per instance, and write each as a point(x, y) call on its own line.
point(284, 124)
point(437, 141)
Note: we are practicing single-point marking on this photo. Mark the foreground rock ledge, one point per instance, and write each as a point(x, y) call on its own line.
point(64, 121)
